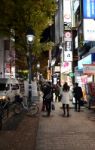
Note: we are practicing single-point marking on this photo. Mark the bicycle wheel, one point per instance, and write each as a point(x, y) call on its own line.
point(33, 110)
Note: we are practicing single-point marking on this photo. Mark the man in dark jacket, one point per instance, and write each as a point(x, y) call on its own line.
point(48, 91)
point(78, 94)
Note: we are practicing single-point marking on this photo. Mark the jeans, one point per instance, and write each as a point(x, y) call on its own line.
point(48, 107)
point(77, 104)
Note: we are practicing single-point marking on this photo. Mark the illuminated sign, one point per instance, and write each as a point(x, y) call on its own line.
point(89, 69)
point(68, 45)
point(66, 67)
point(76, 42)
point(89, 29)
point(68, 56)
point(89, 9)
point(76, 5)
point(57, 69)
point(86, 60)
point(67, 10)
point(67, 36)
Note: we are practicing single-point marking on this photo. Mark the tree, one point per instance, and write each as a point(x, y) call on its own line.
point(18, 15)
point(15, 18)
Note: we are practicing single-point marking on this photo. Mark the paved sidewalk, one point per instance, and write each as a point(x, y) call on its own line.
point(76, 132)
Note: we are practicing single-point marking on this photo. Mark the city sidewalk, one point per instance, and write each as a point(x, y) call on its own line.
point(76, 132)
point(50, 133)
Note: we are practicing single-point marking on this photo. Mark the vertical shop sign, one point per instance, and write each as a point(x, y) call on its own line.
point(89, 9)
point(67, 11)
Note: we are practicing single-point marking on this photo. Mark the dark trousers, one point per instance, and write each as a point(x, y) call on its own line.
point(65, 108)
point(77, 104)
point(43, 105)
point(48, 107)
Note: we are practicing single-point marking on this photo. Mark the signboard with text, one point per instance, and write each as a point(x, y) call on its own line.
point(89, 69)
point(68, 56)
point(89, 29)
point(67, 11)
point(89, 9)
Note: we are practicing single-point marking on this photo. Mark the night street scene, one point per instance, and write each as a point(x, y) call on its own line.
point(47, 75)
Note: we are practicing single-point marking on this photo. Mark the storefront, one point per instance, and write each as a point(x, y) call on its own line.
point(83, 76)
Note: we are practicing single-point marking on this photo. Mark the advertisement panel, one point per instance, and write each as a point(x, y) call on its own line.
point(85, 60)
point(76, 5)
point(66, 67)
point(57, 69)
point(89, 29)
point(67, 11)
point(76, 41)
point(67, 36)
point(89, 69)
point(68, 56)
point(89, 9)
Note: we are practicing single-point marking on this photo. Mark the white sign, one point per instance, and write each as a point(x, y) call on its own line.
point(68, 36)
point(76, 5)
point(67, 11)
point(68, 45)
point(68, 56)
point(89, 29)
point(89, 69)
point(57, 69)
point(76, 42)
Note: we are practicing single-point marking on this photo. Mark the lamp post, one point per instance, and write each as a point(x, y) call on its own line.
point(38, 67)
point(30, 38)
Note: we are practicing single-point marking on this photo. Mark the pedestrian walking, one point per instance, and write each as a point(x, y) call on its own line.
point(65, 99)
point(44, 91)
point(78, 94)
point(57, 92)
point(48, 96)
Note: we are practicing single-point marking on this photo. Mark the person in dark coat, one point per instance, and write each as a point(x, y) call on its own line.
point(43, 89)
point(48, 90)
point(57, 92)
point(78, 94)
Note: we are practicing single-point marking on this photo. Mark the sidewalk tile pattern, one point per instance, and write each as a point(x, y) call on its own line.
point(76, 132)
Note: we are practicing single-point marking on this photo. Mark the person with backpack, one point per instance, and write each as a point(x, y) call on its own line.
point(78, 94)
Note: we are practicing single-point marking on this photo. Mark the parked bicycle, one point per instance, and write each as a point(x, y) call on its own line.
point(21, 104)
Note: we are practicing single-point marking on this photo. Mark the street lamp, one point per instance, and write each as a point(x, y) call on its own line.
point(38, 65)
point(30, 38)
point(38, 74)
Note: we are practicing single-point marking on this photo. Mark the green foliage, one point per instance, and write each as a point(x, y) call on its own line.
point(21, 14)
